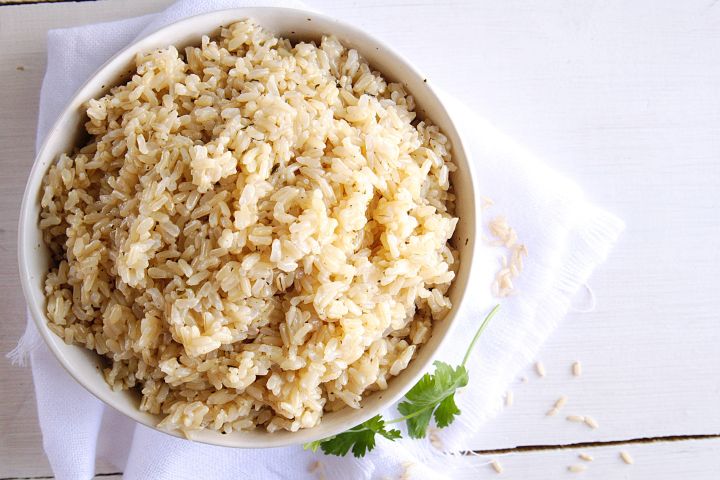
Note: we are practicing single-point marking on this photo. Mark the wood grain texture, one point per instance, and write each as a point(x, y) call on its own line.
point(696, 459)
point(620, 95)
point(22, 65)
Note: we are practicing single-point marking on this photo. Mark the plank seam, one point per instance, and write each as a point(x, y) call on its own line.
point(630, 441)
point(522, 448)
point(15, 3)
point(45, 477)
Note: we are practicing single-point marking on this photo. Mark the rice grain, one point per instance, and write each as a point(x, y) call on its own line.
point(591, 422)
point(626, 458)
point(559, 403)
point(257, 232)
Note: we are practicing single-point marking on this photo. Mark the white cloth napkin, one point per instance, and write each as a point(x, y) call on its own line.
point(567, 238)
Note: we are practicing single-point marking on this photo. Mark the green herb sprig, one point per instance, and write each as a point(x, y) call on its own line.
point(432, 397)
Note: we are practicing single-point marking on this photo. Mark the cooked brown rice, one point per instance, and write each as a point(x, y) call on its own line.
point(256, 233)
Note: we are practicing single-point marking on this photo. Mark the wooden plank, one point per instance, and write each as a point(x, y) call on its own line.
point(636, 381)
point(22, 34)
point(622, 96)
point(14, 2)
point(696, 459)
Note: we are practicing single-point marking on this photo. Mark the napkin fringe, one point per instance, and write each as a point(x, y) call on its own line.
point(28, 343)
point(596, 239)
point(594, 235)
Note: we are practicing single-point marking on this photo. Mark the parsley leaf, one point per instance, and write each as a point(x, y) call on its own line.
point(360, 439)
point(313, 445)
point(417, 424)
point(445, 412)
point(433, 395)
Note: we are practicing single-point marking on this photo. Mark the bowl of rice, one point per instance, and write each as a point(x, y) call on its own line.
point(251, 228)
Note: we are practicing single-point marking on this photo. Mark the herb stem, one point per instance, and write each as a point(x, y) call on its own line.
point(465, 359)
point(479, 331)
point(432, 390)
point(406, 417)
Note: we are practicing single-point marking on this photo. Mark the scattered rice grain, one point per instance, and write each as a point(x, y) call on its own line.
point(486, 203)
point(506, 236)
point(559, 403)
point(407, 468)
point(591, 422)
point(435, 440)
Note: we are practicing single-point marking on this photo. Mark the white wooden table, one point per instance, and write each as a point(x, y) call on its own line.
point(624, 97)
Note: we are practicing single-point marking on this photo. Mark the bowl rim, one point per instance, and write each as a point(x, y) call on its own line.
point(145, 43)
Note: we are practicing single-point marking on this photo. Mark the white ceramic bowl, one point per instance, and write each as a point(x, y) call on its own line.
point(83, 364)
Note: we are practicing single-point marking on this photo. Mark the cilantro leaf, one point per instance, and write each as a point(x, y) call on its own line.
point(341, 444)
point(433, 395)
point(417, 424)
point(361, 439)
point(445, 412)
point(314, 445)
